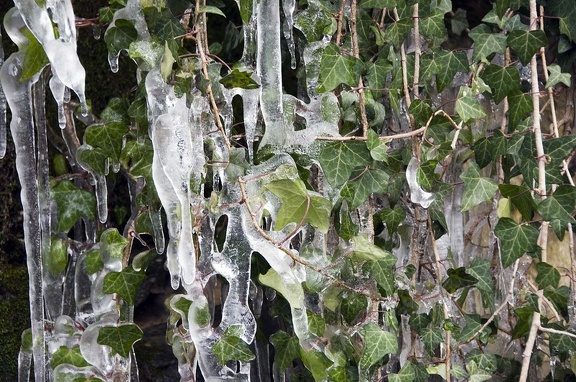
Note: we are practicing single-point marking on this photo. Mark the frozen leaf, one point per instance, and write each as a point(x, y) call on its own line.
point(34, 58)
point(515, 240)
point(120, 36)
point(336, 69)
point(115, 111)
point(286, 349)
point(211, 9)
point(316, 362)
point(547, 276)
point(298, 206)
point(68, 355)
point(112, 244)
point(486, 42)
point(231, 348)
point(273, 280)
point(239, 79)
point(431, 337)
point(467, 106)
point(72, 204)
point(56, 260)
point(487, 150)
point(148, 52)
point(520, 105)
point(449, 63)
point(377, 343)
point(339, 159)
point(365, 250)
point(457, 279)
point(168, 27)
point(120, 338)
point(477, 189)
point(382, 271)
point(313, 23)
point(167, 62)
point(124, 283)
point(527, 43)
point(344, 225)
point(426, 175)
point(316, 324)
point(361, 186)
point(556, 76)
point(352, 306)
point(502, 80)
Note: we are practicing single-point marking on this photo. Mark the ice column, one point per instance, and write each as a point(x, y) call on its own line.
point(19, 97)
point(2, 110)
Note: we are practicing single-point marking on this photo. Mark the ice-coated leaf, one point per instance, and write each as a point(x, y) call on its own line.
point(486, 42)
point(68, 355)
point(286, 349)
point(521, 198)
point(34, 57)
point(93, 261)
point(502, 80)
point(377, 343)
point(467, 106)
point(339, 159)
point(336, 69)
point(168, 27)
point(458, 278)
point(316, 362)
point(344, 225)
point(360, 187)
point(565, 11)
point(382, 271)
point(124, 283)
point(231, 348)
point(298, 206)
point(313, 22)
point(273, 280)
point(239, 79)
point(147, 51)
point(56, 260)
point(527, 43)
point(431, 337)
point(520, 105)
point(120, 36)
point(488, 150)
point(352, 306)
point(556, 76)
point(449, 63)
point(112, 244)
point(72, 204)
point(316, 324)
point(365, 250)
point(120, 338)
point(477, 189)
point(515, 240)
point(547, 276)
point(101, 143)
point(426, 175)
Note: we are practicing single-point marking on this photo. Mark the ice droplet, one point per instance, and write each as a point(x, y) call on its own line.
point(417, 194)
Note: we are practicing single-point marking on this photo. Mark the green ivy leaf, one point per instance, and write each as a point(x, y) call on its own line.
point(379, 4)
point(515, 240)
point(527, 43)
point(449, 63)
point(433, 26)
point(35, 58)
point(471, 327)
point(336, 69)
point(557, 150)
point(486, 42)
point(477, 374)
point(501, 80)
point(487, 150)
point(273, 280)
point(339, 159)
point(120, 36)
point(316, 324)
point(392, 217)
point(72, 204)
point(211, 9)
point(93, 261)
point(313, 22)
point(467, 106)
point(286, 349)
point(317, 363)
point(343, 223)
point(480, 269)
point(397, 31)
point(565, 11)
point(238, 79)
point(522, 327)
point(124, 283)
point(112, 244)
point(382, 271)
point(421, 111)
point(245, 11)
point(353, 306)
point(520, 105)
point(558, 209)
point(231, 348)
point(56, 260)
point(365, 250)
point(357, 190)
point(101, 143)
point(459, 22)
point(426, 175)
point(298, 205)
point(431, 337)
point(66, 355)
point(556, 76)
point(521, 198)
point(376, 74)
point(457, 279)
point(561, 343)
point(547, 276)
point(477, 189)
point(120, 338)
point(378, 149)
point(377, 343)
point(406, 374)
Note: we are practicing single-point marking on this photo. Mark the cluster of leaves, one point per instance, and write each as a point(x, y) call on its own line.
point(467, 121)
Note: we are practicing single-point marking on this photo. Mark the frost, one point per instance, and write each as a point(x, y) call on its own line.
point(417, 194)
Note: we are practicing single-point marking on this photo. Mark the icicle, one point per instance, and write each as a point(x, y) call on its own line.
point(19, 97)
point(269, 68)
point(288, 7)
point(2, 110)
point(24, 358)
point(417, 194)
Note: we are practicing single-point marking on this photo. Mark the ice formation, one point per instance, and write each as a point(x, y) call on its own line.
point(417, 193)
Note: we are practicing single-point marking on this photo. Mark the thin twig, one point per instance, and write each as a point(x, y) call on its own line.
point(417, 52)
point(340, 22)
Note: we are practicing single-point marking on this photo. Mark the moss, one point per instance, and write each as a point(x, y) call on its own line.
point(15, 317)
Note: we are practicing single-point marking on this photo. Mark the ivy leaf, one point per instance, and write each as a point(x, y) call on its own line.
point(467, 106)
point(357, 190)
point(343, 223)
point(379, 4)
point(501, 80)
point(35, 58)
point(377, 343)
point(480, 269)
point(557, 150)
point(239, 79)
point(336, 69)
point(426, 175)
point(168, 27)
point(392, 217)
point(382, 271)
point(487, 150)
point(66, 355)
point(486, 42)
point(365, 250)
point(450, 63)
point(397, 31)
point(558, 209)
point(231, 348)
point(547, 276)
point(298, 206)
point(352, 306)
point(521, 198)
point(120, 36)
point(286, 349)
point(273, 280)
point(477, 189)
point(339, 159)
point(527, 43)
point(477, 374)
point(556, 76)
point(515, 240)
point(421, 111)
point(457, 279)
point(245, 11)
point(520, 105)
point(72, 204)
point(124, 283)
point(93, 261)
point(522, 327)
point(120, 338)
point(378, 149)
point(431, 337)
point(470, 328)
point(406, 374)
point(101, 143)
point(459, 22)
point(376, 74)
point(433, 26)
point(112, 244)
point(565, 11)
point(211, 9)
point(317, 363)
point(561, 343)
